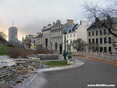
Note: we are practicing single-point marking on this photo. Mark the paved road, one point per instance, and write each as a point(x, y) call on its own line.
point(92, 72)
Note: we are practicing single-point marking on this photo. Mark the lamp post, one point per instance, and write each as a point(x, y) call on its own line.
point(65, 53)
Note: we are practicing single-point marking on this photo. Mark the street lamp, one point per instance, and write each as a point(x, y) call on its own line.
point(65, 52)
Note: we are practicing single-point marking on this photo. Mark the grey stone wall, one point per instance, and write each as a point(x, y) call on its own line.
point(28, 63)
point(106, 56)
point(7, 73)
point(46, 56)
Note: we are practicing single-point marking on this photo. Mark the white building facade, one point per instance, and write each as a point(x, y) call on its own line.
point(74, 33)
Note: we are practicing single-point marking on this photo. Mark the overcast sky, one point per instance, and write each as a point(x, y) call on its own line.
point(29, 16)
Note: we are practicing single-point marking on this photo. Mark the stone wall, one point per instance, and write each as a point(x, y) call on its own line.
point(106, 56)
point(10, 72)
point(28, 63)
point(7, 73)
point(46, 56)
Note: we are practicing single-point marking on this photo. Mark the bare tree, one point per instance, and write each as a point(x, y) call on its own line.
point(105, 16)
point(2, 37)
point(93, 47)
point(79, 45)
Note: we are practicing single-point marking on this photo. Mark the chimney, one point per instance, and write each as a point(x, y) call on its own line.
point(58, 22)
point(53, 23)
point(49, 24)
point(83, 22)
point(69, 21)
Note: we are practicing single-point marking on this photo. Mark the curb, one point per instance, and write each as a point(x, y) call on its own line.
point(76, 64)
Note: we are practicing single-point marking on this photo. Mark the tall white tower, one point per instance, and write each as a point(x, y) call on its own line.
point(12, 33)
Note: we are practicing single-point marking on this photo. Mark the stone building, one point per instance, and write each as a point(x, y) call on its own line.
point(33, 45)
point(47, 37)
point(56, 36)
point(39, 40)
point(27, 40)
point(100, 39)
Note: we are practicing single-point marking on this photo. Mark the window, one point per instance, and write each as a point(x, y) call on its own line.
point(109, 39)
point(105, 50)
point(67, 36)
point(109, 49)
point(70, 41)
point(116, 39)
point(67, 41)
point(89, 34)
point(100, 40)
point(55, 46)
point(108, 32)
point(89, 41)
point(93, 41)
point(74, 35)
point(92, 33)
point(100, 32)
point(96, 40)
point(96, 32)
point(101, 49)
point(104, 31)
point(70, 35)
point(104, 40)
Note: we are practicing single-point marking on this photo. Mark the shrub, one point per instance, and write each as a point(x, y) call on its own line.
point(16, 52)
point(42, 51)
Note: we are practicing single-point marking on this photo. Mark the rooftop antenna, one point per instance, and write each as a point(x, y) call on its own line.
point(12, 23)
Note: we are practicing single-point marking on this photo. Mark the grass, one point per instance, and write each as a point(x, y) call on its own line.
point(56, 63)
point(4, 49)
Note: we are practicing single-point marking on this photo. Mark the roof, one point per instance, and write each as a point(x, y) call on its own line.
point(71, 29)
point(46, 28)
point(95, 25)
point(99, 25)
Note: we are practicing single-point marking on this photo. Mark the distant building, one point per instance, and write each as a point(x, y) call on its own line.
point(33, 46)
point(39, 40)
point(100, 39)
point(12, 34)
point(27, 40)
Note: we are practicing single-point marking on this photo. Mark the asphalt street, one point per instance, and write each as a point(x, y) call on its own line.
point(92, 72)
